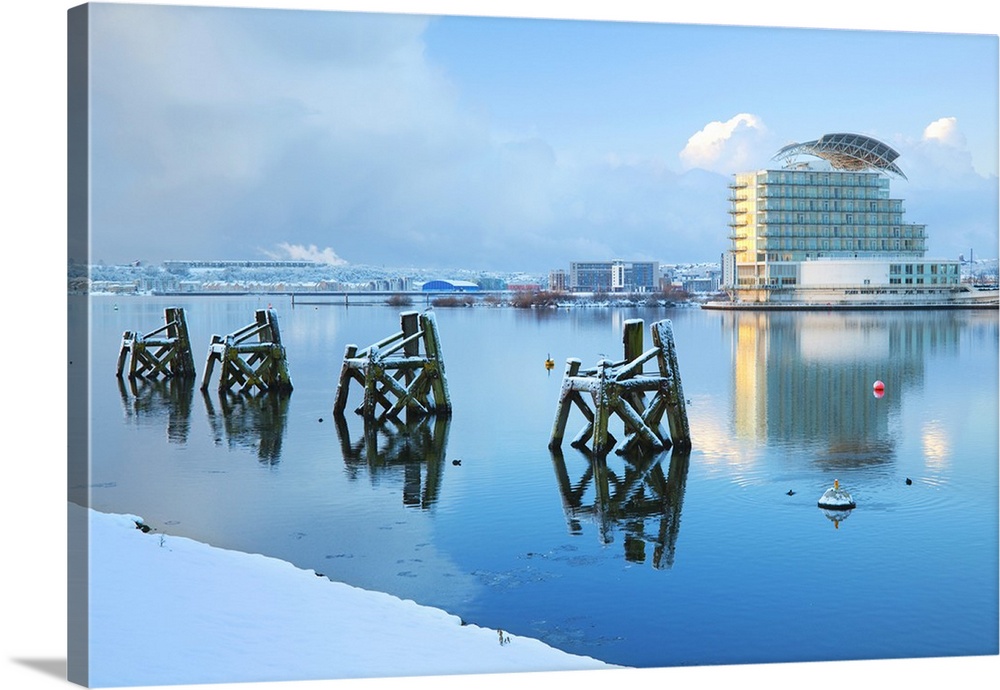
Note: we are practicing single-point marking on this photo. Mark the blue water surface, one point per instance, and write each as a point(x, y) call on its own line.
point(659, 559)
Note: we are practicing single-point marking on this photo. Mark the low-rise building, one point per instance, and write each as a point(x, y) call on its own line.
point(614, 276)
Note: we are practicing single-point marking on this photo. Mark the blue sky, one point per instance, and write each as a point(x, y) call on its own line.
point(502, 143)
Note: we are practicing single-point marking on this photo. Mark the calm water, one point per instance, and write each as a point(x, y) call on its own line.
point(666, 561)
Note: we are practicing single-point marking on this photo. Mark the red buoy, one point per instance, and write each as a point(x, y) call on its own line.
point(878, 386)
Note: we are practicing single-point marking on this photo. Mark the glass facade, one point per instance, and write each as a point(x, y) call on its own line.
point(614, 276)
point(782, 217)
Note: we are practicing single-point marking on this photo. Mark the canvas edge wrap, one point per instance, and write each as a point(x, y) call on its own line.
point(78, 345)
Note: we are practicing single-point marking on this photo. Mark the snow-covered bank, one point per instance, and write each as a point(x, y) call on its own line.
point(167, 610)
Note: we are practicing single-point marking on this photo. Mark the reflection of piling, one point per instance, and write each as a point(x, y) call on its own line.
point(395, 375)
point(164, 352)
point(393, 445)
point(670, 490)
point(154, 399)
point(620, 388)
point(628, 500)
point(245, 363)
point(256, 422)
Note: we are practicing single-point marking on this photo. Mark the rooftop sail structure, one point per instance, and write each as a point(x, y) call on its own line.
point(848, 152)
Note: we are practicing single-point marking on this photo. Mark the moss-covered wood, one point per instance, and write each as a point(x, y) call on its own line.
point(251, 359)
point(165, 352)
point(395, 376)
point(619, 390)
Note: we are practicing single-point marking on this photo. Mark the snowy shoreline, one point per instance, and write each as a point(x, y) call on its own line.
point(167, 610)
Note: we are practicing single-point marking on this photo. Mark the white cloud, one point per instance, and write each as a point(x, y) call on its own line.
point(298, 252)
point(945, 130)
point(941, 157)
point(740, 143)
point(946, 192)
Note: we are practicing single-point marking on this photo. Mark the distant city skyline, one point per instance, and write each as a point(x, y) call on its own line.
point(498, 143)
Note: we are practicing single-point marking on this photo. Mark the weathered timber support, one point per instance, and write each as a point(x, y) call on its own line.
point(164, 352)
point(618, 389)
point(395, 376)
point(247, 364)
point(673, 391)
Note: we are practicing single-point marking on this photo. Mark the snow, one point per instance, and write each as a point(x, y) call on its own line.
point(835, 498)
point(167, 610)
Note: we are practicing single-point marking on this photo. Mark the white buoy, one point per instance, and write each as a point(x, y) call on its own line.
point(836, 498)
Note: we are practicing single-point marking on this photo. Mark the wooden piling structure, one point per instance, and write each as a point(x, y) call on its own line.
point(247, 363)
point(620, 388)
point(164, 352)
point(395, 375)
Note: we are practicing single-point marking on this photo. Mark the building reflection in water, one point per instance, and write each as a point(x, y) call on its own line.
point(642, 500)
point(805, 378)
point(151, 400)
point(411, 450)
point(257, 422)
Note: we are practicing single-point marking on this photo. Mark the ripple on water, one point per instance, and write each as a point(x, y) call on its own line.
point(887, 493)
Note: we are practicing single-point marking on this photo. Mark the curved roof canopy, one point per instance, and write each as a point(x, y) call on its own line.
point(848, 152)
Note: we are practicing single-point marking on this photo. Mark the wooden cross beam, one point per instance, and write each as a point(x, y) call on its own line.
point(395, 376)
point(164, 352)
point(618, 389)
point(250, 365)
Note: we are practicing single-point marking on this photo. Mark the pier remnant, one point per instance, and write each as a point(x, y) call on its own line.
point(396, 375)
point(249, 364)
point(165, 351)
point(620, 388)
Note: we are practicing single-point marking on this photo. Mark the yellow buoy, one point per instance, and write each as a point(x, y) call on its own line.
point(549, 363)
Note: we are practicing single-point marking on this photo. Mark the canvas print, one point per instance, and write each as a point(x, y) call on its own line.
point(411, 345)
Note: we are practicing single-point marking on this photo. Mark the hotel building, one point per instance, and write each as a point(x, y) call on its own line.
point(831, 233)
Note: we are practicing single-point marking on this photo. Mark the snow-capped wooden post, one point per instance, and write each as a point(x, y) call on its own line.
point(673, 391)
point(395, 375)
point(619, 388)
point(248, 364)
point(165, 351)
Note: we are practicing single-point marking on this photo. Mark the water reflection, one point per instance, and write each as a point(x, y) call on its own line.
point(256, 422)
point(392, 448)
point(836, 516)
point(151, 400)
point(806, 379)
point(640, 500)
